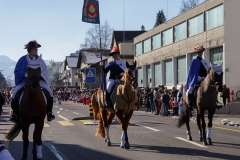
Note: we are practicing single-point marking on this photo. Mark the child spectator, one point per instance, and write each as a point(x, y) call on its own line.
point(180, 107)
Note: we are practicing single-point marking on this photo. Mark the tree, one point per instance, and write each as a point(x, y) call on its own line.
point(160, 18)
point(3, 82)
point(187, 5)
point(92, 39)
point(56, 78)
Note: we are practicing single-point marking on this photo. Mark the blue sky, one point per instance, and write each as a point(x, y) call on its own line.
point(57, 25)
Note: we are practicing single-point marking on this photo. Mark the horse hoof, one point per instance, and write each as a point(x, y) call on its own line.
point(105, 140)
point(205, 143)
point(190, 138)
point(121, 146)
point(210, 141)
point(201, 139)
point(127, 145)
point(109, 143)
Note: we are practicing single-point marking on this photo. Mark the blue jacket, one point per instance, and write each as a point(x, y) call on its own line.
point(193, 73)
point(20, 70)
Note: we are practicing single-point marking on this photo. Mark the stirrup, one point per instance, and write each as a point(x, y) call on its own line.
point(50, 116)
point(189, 108)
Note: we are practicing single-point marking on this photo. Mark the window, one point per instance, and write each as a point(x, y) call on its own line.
point(169, 72)
point(194, 55)
point(147, 45)
point(214, 17)
point(156, 41)
point(139, 48)
point(216, 55)
point(148, 75)
point(180, 31)
point(158, 74)
point(167, 37)
point(195, 25)
point(140, 77)
point(181, 61)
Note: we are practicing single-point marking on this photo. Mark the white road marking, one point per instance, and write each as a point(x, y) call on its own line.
point(194, 143)
point(58, 112)
point(147, 127)
point(61, 109)
point(75, 113)
point(63, 118)
point(56, 106)
point(66, 109)
point(55, 151)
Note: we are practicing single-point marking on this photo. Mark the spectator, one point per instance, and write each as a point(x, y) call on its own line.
point(225, 94)
point(156, 99)
point(174, 93)
point(146, 99)
point(165, 100)
point(180, 106)
point(175, 107)
point(180, 93)
point(150, 96)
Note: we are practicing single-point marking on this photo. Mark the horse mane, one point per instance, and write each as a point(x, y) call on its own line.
point(127, 76)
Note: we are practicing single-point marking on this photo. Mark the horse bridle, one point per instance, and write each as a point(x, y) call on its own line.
point(29, 83)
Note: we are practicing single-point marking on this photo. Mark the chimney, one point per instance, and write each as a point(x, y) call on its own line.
point(142, 28)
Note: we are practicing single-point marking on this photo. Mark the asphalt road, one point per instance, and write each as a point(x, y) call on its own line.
point(151, 137)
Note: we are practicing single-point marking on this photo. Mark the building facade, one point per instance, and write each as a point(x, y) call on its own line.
point(53, 68)
point(164, 53)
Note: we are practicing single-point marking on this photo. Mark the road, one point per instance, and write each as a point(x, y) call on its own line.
point(151, 137)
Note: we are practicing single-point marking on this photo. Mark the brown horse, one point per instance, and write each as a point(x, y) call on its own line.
point(123, 101)
point(206, 100)
point(32, 110)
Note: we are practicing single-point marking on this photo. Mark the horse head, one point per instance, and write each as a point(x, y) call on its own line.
point(217, 76)
point(134, 71)
point(33, 77)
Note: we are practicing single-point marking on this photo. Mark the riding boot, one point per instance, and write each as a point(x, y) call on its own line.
point(190, 101)
point(108, 100)
point(15, 108)
point(50, 114)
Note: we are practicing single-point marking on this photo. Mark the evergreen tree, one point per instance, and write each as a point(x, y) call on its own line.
point(160, 18)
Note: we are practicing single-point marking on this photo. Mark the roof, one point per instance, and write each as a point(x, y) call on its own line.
point(129, 35)
point(91, 58)
point(72, 62)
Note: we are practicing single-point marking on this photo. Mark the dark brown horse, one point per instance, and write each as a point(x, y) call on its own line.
point(206, 99)
point(123, 100)
point(32, 110)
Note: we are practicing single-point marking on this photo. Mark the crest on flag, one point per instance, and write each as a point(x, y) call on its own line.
point(91, 11)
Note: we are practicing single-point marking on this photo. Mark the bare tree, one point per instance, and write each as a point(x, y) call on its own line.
point(56, 78)
point(92, 39)
point(187, 5)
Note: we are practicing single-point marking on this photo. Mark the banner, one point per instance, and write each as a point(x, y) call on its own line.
point(90, 13)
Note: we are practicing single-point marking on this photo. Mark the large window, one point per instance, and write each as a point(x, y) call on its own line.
point(169, 72)
point(140, 77)
point(181, 61)
point(180, 31)
point(139, 48)
point(147, 45)
point(195, 25)
point(148, 75)
point(194, 55)
point(167, 37)
point(216, 55)
point(156, 41)
point(214, 17)
point(158, 74)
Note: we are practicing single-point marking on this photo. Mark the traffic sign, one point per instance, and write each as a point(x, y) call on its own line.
point(90, 74)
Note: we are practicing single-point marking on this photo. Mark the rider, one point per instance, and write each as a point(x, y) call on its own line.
point(197, 72)
point(116, 68)
point(20, 80)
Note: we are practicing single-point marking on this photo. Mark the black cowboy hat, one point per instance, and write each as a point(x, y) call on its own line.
point(32, 44)
point(114, 50)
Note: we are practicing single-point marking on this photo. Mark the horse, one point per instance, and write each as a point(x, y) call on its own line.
point(32, 110)
point(206, 99)
point(123, 100)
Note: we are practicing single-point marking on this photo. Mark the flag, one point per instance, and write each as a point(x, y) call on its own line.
point(90, 13)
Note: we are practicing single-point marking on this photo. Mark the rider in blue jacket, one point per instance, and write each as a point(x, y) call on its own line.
point(116, 68)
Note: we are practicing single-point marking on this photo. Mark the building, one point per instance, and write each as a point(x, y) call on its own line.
point(53, 68)
point(124, 41)
point(163, 54)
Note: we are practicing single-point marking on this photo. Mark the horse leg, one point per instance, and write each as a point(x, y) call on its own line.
point(110, 117)
point(127, 119)
point(199, 127)
point(209, 129)
point(106, 127)
point(203, 124)
point(37, 149)
point(25, 130)
point(189, 136)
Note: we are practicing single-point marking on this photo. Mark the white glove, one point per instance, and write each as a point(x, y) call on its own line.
point(189, 91)
point(26, 75)
point(122, 74)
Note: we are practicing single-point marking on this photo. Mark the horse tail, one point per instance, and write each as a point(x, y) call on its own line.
point(182, 118)
point(14, 132)
point(100, 129)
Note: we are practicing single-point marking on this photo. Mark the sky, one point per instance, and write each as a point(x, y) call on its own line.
point(57, 24)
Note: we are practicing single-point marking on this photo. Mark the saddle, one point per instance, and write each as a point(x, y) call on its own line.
point(196, 86)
